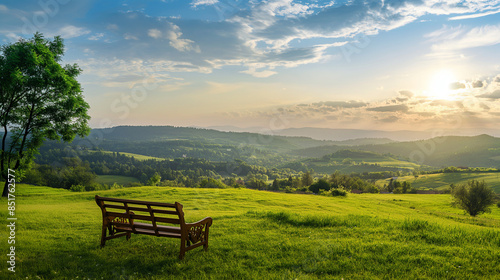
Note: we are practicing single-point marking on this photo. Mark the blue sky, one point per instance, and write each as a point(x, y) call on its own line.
point(388, 65)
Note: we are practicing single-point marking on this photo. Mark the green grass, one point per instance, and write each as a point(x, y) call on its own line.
point(111, 179)
point(442, 181)
point(257, 235)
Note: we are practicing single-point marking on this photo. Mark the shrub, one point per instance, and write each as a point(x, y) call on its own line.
point(77, 188)
point(338, 192)
point(475, 197)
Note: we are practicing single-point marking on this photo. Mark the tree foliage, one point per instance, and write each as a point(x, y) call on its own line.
point(475, 197)
point(39, 99)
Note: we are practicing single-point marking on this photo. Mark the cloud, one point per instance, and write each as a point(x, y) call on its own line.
point(406, 93)
point(197, 3)
point(477, 84)
point(3, 8)
point(96, 37)
point(492, 95)
point(390, 108)
point(458, 38)
point(447, 103)
point(128, 36)
point(154, 33)
point(341, 104)
point(497, 79)
point(71, 31)
point(259, 74)
point(456, 85)
point(390, 119)
point(179, 44)
point(474, 15)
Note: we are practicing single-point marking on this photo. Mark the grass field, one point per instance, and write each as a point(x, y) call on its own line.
point(257, 235)
point(441, 181)
point(111, 179)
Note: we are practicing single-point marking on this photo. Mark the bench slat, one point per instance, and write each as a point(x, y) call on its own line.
point(159, 211)
point(158, 219)
point(143, 226)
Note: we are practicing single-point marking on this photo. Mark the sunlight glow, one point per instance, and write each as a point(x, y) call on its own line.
point(440, 83)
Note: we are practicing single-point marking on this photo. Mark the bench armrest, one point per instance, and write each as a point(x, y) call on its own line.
point(198, 231)
point(206, 221)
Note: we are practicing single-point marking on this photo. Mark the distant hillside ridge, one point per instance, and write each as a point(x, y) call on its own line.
point(398, 135)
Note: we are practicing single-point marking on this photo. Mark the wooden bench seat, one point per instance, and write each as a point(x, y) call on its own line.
point(122, 217)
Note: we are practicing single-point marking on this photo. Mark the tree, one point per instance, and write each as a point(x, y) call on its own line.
point(154, 180)
point(39, 100)
point(475, 197)
point(307, 179)
point(321, 184)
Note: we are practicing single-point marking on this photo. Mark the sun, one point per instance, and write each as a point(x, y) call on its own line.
point(439, 86)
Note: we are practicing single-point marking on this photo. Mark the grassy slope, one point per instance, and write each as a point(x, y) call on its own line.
point(259, 235)
point(443, 180)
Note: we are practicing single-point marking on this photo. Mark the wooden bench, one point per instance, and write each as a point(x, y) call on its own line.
point(122, 217)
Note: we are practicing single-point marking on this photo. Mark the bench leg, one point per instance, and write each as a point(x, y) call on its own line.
point(128, 236)
point(103, 236)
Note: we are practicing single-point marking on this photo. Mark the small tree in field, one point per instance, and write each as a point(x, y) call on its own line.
point(475, 197)
point(39, 99)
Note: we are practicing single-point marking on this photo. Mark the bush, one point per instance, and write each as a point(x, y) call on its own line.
point(475, 197)
point(212, 184)
point(77, 188)
point(334, 192)
point(338, 192)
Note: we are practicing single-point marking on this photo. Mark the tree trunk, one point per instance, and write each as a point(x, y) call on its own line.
point(5, 192)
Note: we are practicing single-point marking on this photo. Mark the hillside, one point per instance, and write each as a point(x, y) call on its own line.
point(467, 151)
point(258, 235)
point(355, 161)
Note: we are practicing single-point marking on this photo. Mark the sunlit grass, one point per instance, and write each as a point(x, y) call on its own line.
point(259, 235)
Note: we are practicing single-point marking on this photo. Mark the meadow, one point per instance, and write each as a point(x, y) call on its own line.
point(257, 235)
point(442, 181)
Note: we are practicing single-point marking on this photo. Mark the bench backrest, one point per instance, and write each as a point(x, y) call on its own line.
point(126, 212)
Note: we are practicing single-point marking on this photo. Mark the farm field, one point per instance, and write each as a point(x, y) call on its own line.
point(442, 181)
point(258, 235)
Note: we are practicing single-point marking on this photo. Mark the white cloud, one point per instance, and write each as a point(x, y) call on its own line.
point(128, 36)
point(179, 44)
point(3, 8)
point(154, 33)
point(259, 74)
point(197, 3)
point(474, 15)
point(71, 31)
point(463, 38)
point(96, 36)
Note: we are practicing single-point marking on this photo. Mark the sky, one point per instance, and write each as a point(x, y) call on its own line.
point(385, 65)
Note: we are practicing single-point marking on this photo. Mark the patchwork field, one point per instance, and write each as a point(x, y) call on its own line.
point(257, 235)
